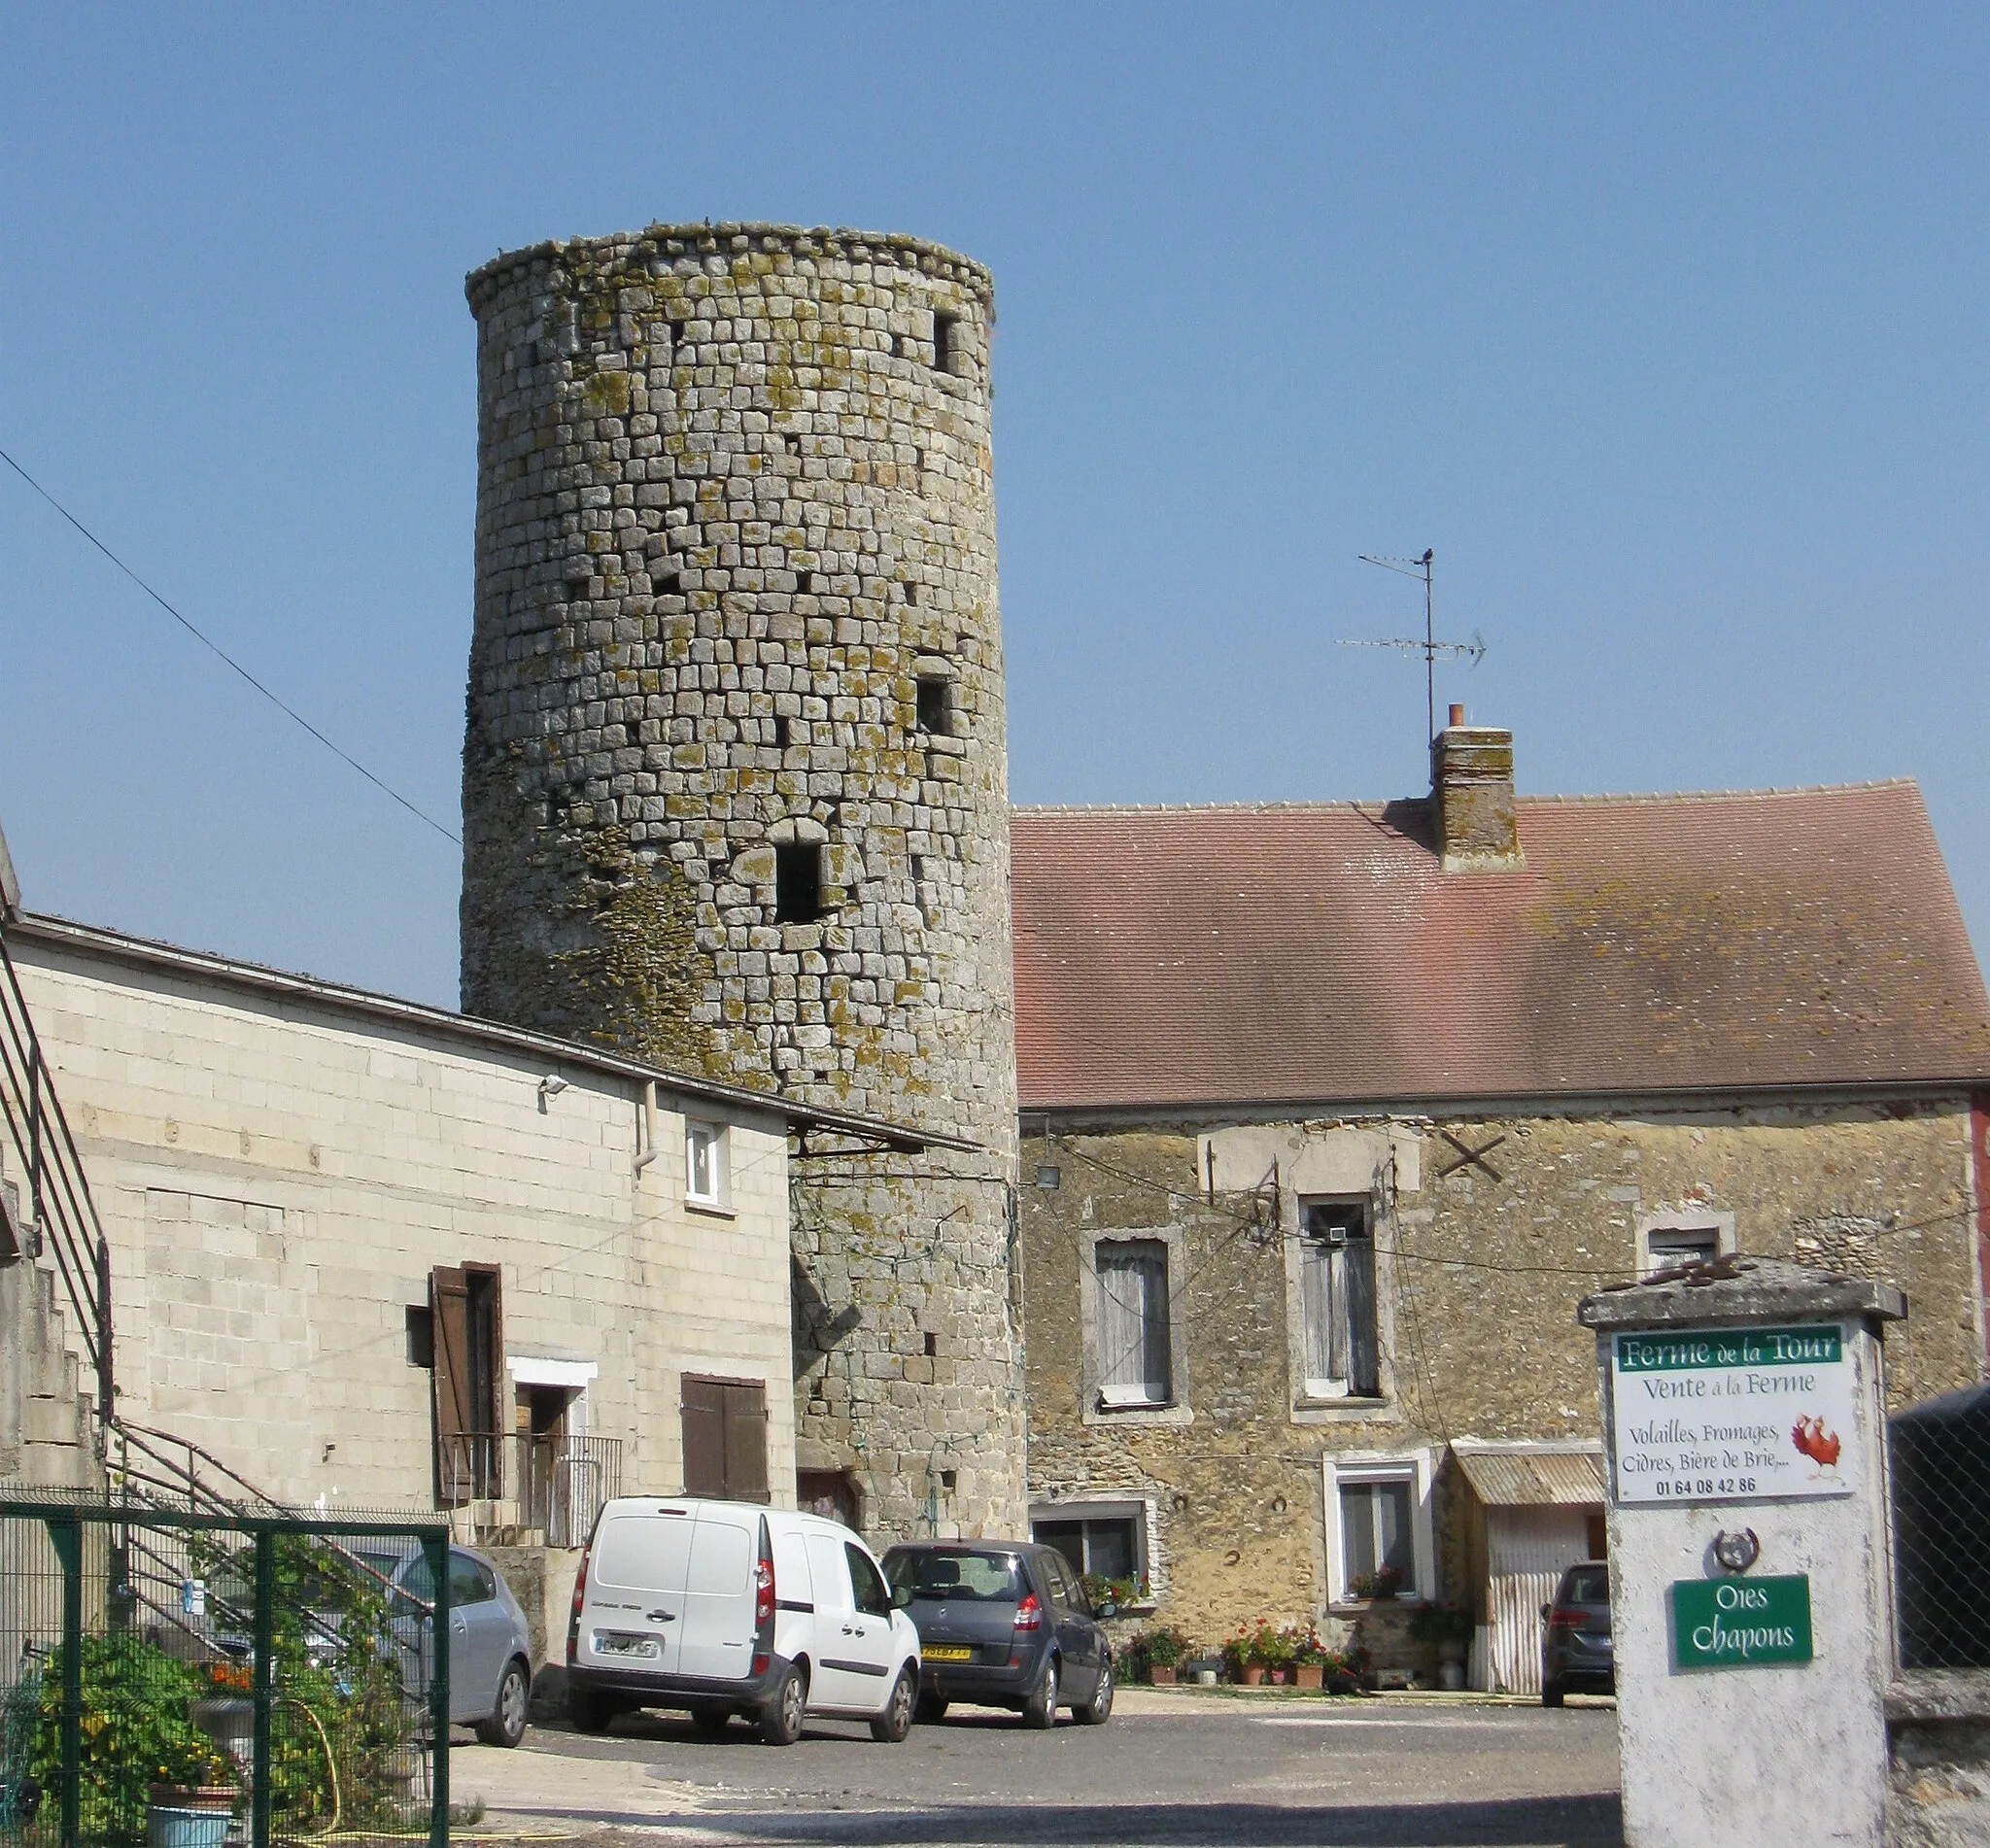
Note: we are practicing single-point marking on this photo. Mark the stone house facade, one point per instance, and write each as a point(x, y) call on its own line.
point(375, 1253)
point(1335, 1113)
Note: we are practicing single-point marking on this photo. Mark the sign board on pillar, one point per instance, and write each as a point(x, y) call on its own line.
point(1739, 1622)
point(1710, 1415)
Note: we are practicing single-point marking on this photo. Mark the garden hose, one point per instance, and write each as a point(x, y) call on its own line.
point(330, 1763)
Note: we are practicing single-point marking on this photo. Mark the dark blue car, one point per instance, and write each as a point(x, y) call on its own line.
point(1003, 1625)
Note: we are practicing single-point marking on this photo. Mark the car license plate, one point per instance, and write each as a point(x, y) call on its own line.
point(945, 1652)
point(619, 1642)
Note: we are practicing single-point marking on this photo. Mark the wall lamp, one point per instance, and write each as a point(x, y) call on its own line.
point(551, 1085)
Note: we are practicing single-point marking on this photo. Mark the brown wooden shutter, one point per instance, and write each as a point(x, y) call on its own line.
point(486, 1350)
point(704, 1436)
point(747, 1443)
point(725, 1438)
point(449, 1312)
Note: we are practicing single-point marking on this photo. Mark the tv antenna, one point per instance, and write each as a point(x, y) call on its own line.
point(1430, 648)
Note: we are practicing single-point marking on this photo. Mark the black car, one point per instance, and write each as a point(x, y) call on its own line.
point(1577, 1655)
point(1003, 1625)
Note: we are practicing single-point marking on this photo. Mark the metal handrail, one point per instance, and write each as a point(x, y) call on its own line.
point(558, 1483)
point(60, 1205)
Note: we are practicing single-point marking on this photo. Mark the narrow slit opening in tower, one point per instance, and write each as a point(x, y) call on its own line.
point(934, 714)
point(796, 884)
point(780, 732)
point(804, 583)
point(932, 1345)
point(945, 342)
point(911, 595)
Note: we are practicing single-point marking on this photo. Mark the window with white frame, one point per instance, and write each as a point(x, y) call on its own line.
point(1133, 1334)
point(1337, 1296)
point(1379, 1525)
point(705, 1163)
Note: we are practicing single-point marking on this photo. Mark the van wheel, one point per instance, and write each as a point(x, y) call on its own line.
point(590, 1712)
point(896, 1721)
point(507, 1723)
point(781, 1720)
point(1039, 1710)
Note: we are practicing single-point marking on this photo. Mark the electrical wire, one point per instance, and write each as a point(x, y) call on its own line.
point(221, 653)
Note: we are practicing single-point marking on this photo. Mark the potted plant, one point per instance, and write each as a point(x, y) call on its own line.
point(1240, 1661)
point(1384, 1583)
point(1309, 1657)
point(1276, 1649)
point(140, 1749)
point(1161, 1649)
point(226, 1712)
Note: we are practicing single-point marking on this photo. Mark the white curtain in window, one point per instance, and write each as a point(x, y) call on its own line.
point(1375, 1530)
point(1133, 1324)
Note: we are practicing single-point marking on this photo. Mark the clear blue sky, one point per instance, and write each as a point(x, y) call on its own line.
point(1666, 327)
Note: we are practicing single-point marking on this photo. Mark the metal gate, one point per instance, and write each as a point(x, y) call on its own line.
point(213, 1678)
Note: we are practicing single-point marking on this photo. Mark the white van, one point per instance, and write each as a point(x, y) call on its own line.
point(725, 1607)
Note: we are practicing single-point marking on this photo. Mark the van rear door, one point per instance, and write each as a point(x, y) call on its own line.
point(718, 1638)
point(633, 1614)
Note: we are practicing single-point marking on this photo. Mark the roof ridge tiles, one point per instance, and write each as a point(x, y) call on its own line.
point(1385, 802)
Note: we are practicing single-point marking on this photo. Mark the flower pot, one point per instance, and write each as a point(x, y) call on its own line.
point(1451, 1675)
point(1254, 1674)
point(1160, 1677)
point(1308, 1674)
point(229, 1721)
point(181, 1817)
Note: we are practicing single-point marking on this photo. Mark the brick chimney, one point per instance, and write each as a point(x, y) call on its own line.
point(1471, 797)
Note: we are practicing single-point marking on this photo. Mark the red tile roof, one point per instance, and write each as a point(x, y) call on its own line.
point(1318, 955)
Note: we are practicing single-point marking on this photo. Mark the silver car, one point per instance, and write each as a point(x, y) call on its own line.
point(490, 1648)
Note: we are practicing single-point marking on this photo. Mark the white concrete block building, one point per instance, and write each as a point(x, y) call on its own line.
point(377, 1253)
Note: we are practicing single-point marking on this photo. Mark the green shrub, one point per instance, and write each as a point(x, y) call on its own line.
point(134, 1732)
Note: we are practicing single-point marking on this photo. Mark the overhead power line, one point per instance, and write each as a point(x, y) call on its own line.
point(221, 653)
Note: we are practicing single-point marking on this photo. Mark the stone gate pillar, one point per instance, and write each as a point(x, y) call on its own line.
point(1750, 1577)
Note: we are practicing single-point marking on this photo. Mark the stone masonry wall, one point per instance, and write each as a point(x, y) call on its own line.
point(736, 504)
point(1478, 1281)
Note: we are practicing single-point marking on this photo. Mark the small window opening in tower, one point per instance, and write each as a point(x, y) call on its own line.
point(676, 334)
point(933, 714)
point(796, 884)
point(911, 593)
point(780, 732)
point(793, 443)
point(932, 1345)
point(804, 582)
point(945, 342)
point(665, 583)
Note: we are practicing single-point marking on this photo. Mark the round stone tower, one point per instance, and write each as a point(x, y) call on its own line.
point(735, 771)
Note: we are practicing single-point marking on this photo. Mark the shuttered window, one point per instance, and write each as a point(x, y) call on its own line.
point(1133, 1322)
point(466, 1332)
point(725, 1438)
point(1337, 1289)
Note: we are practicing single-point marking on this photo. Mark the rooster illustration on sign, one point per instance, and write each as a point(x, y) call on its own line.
point(1820, 1444)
